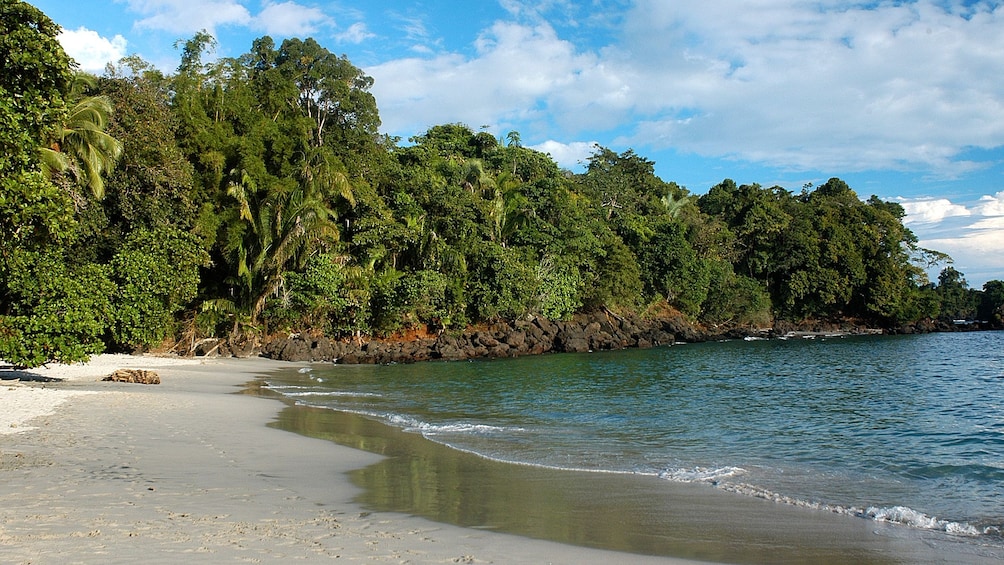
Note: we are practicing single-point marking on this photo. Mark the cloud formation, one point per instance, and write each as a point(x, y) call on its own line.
point(972, 236)
point(569, 156)
point(91, 51)
point(931, 210)
point(185, 16)
point(831, 85)
point(992, 205)
point(834, 85)
point(355, 33)
point(287, 18)
point(513, 74)
point(290, 19)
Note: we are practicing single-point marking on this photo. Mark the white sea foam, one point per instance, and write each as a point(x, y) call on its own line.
point(280, 388)
point(333, 393)
point(409, 424)
point(910, 517)
point(700, 474)
point(298, 391)
point(896, 514)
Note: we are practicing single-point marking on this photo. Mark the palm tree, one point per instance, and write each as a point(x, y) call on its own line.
point(508, 210)
point(474, 178)
point(281, 228)
point(80, 146)
point(674, 204)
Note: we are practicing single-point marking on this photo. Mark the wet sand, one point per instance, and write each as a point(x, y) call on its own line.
point(189, 471)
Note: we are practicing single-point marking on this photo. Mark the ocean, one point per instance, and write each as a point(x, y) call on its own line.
point(898, 437)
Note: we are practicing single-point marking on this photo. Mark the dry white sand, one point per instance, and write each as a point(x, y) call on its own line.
point(187, 471)
point(23, 403)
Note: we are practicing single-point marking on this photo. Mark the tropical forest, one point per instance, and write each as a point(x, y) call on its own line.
point(240, 198)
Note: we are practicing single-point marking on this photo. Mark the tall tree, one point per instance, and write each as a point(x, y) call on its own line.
point(34, 79)
point(152, 184)
point(50, 308)
point(958, 301)
point(992, 303)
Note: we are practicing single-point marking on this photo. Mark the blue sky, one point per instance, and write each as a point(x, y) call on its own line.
point(901, 99)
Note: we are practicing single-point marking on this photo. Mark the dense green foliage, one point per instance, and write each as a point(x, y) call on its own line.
point(254, 194)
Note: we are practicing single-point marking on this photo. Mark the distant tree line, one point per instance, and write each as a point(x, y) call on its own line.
point(255, 194)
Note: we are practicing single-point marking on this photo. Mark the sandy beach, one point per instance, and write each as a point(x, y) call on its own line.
point(188, 471)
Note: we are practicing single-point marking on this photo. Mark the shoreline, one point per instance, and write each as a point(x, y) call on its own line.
point(198, 469)
point(189, 469)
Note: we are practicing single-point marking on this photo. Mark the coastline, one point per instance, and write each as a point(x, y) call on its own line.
point(188, 469)
point(600, 330)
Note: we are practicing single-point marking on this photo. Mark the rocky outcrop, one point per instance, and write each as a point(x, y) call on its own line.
point(140, 376)
point(938, 326)
point(594, 331)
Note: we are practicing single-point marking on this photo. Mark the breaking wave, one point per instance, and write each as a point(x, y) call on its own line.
point(901, 515)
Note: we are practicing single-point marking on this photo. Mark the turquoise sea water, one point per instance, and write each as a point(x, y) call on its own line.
point(907, 430)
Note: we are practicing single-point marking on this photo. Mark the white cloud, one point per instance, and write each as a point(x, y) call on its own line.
point(186, 16)
point(356, 33)
point(823, 86)
point(91, 51)
point(511, 78)
point(830, 85)
point(567, 155)
point(991, 205)
point(290, 19)
point(977, 252)
point(973, 237)
point(287, 18)
point(931, 210)
point(414, 32)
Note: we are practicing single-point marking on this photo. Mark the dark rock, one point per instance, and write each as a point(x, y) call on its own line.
point(485, 339)
point(296, 350)
point(516, 339)
point(576, 344)
point(500, 350)
point(602, 341)
point(243, 349)
point(450, 352)
point(322, 349)
point(501, 330)
point(546, 327)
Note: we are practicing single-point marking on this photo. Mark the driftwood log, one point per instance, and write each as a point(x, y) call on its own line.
point(141, 376)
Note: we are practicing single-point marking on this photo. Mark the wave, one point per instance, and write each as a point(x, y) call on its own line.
point(334, 393)
point(700, 474)
point(409, 424)
point(901, 515)
point(910, 517)
point(297, 391)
